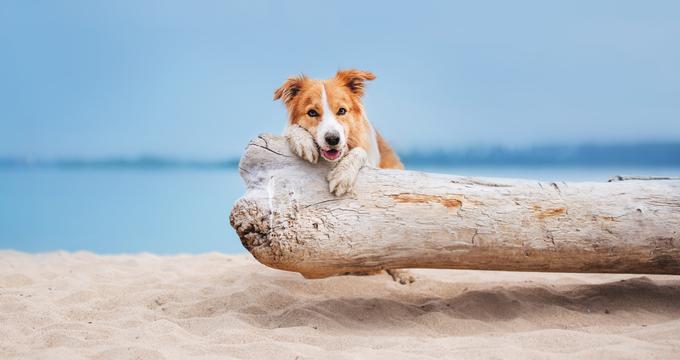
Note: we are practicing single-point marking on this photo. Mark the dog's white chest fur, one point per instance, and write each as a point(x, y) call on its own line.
point(373, 150)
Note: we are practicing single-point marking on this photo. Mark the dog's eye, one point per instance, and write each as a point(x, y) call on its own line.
point(342, 111)
point(312, 113)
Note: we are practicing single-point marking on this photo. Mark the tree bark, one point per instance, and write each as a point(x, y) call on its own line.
point(407, 219)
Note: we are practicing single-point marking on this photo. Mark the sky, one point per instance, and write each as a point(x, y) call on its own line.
point(195, 78)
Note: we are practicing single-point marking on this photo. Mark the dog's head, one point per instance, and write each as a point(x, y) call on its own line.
point(329, 109)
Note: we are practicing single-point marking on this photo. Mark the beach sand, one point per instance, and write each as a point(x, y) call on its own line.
point(82, 305)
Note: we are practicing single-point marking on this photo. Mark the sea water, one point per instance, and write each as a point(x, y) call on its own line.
point(169, 210)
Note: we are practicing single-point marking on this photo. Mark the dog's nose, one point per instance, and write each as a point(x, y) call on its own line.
point(332, 138)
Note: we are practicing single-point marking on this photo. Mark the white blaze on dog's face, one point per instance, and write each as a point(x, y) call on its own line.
point(330, 134)
point(330, 110)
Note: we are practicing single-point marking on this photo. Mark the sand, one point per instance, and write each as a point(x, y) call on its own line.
point(82, 305)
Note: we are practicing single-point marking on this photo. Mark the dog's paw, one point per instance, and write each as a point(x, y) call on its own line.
point(302, 144)
point(404, 277)
point(341, 179)
point(343, 176)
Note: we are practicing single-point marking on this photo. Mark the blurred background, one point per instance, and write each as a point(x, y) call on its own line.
point(121, 123)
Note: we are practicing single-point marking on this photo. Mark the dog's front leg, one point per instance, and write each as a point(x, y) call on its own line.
point(302, 143)
point(341, 179)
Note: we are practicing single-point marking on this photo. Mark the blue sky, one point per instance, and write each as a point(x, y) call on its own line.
point(195, 78)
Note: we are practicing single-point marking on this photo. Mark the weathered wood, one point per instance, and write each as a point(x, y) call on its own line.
point(405, 219)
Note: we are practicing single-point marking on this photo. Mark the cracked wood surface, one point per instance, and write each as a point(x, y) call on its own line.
point(405, 219)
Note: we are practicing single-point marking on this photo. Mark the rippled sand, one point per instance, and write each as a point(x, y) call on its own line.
point(81, 305)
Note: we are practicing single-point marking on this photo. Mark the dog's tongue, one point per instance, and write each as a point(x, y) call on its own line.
point(331, 154)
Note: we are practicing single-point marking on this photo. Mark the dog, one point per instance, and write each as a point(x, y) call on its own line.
point(326, 120)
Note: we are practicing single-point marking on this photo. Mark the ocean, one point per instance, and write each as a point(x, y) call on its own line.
point(171, 210)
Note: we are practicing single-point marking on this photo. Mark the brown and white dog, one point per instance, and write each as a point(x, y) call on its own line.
point(327, 120)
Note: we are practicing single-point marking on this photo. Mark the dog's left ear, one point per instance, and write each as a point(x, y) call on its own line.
point(355, 79)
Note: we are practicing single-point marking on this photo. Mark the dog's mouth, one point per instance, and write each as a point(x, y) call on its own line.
point(331, 154)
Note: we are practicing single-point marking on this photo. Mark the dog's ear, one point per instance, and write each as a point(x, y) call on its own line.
point(355, 79)
point(289, 89)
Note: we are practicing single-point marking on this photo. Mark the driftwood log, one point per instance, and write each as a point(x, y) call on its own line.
point(406, 219)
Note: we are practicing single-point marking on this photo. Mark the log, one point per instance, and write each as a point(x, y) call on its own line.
point(396, 219)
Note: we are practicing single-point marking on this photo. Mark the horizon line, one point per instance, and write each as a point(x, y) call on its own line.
point(666, 153)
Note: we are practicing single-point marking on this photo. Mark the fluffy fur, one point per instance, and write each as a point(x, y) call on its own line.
point(360, 142)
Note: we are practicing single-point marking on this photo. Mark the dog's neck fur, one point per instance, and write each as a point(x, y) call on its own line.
point(373, 151)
